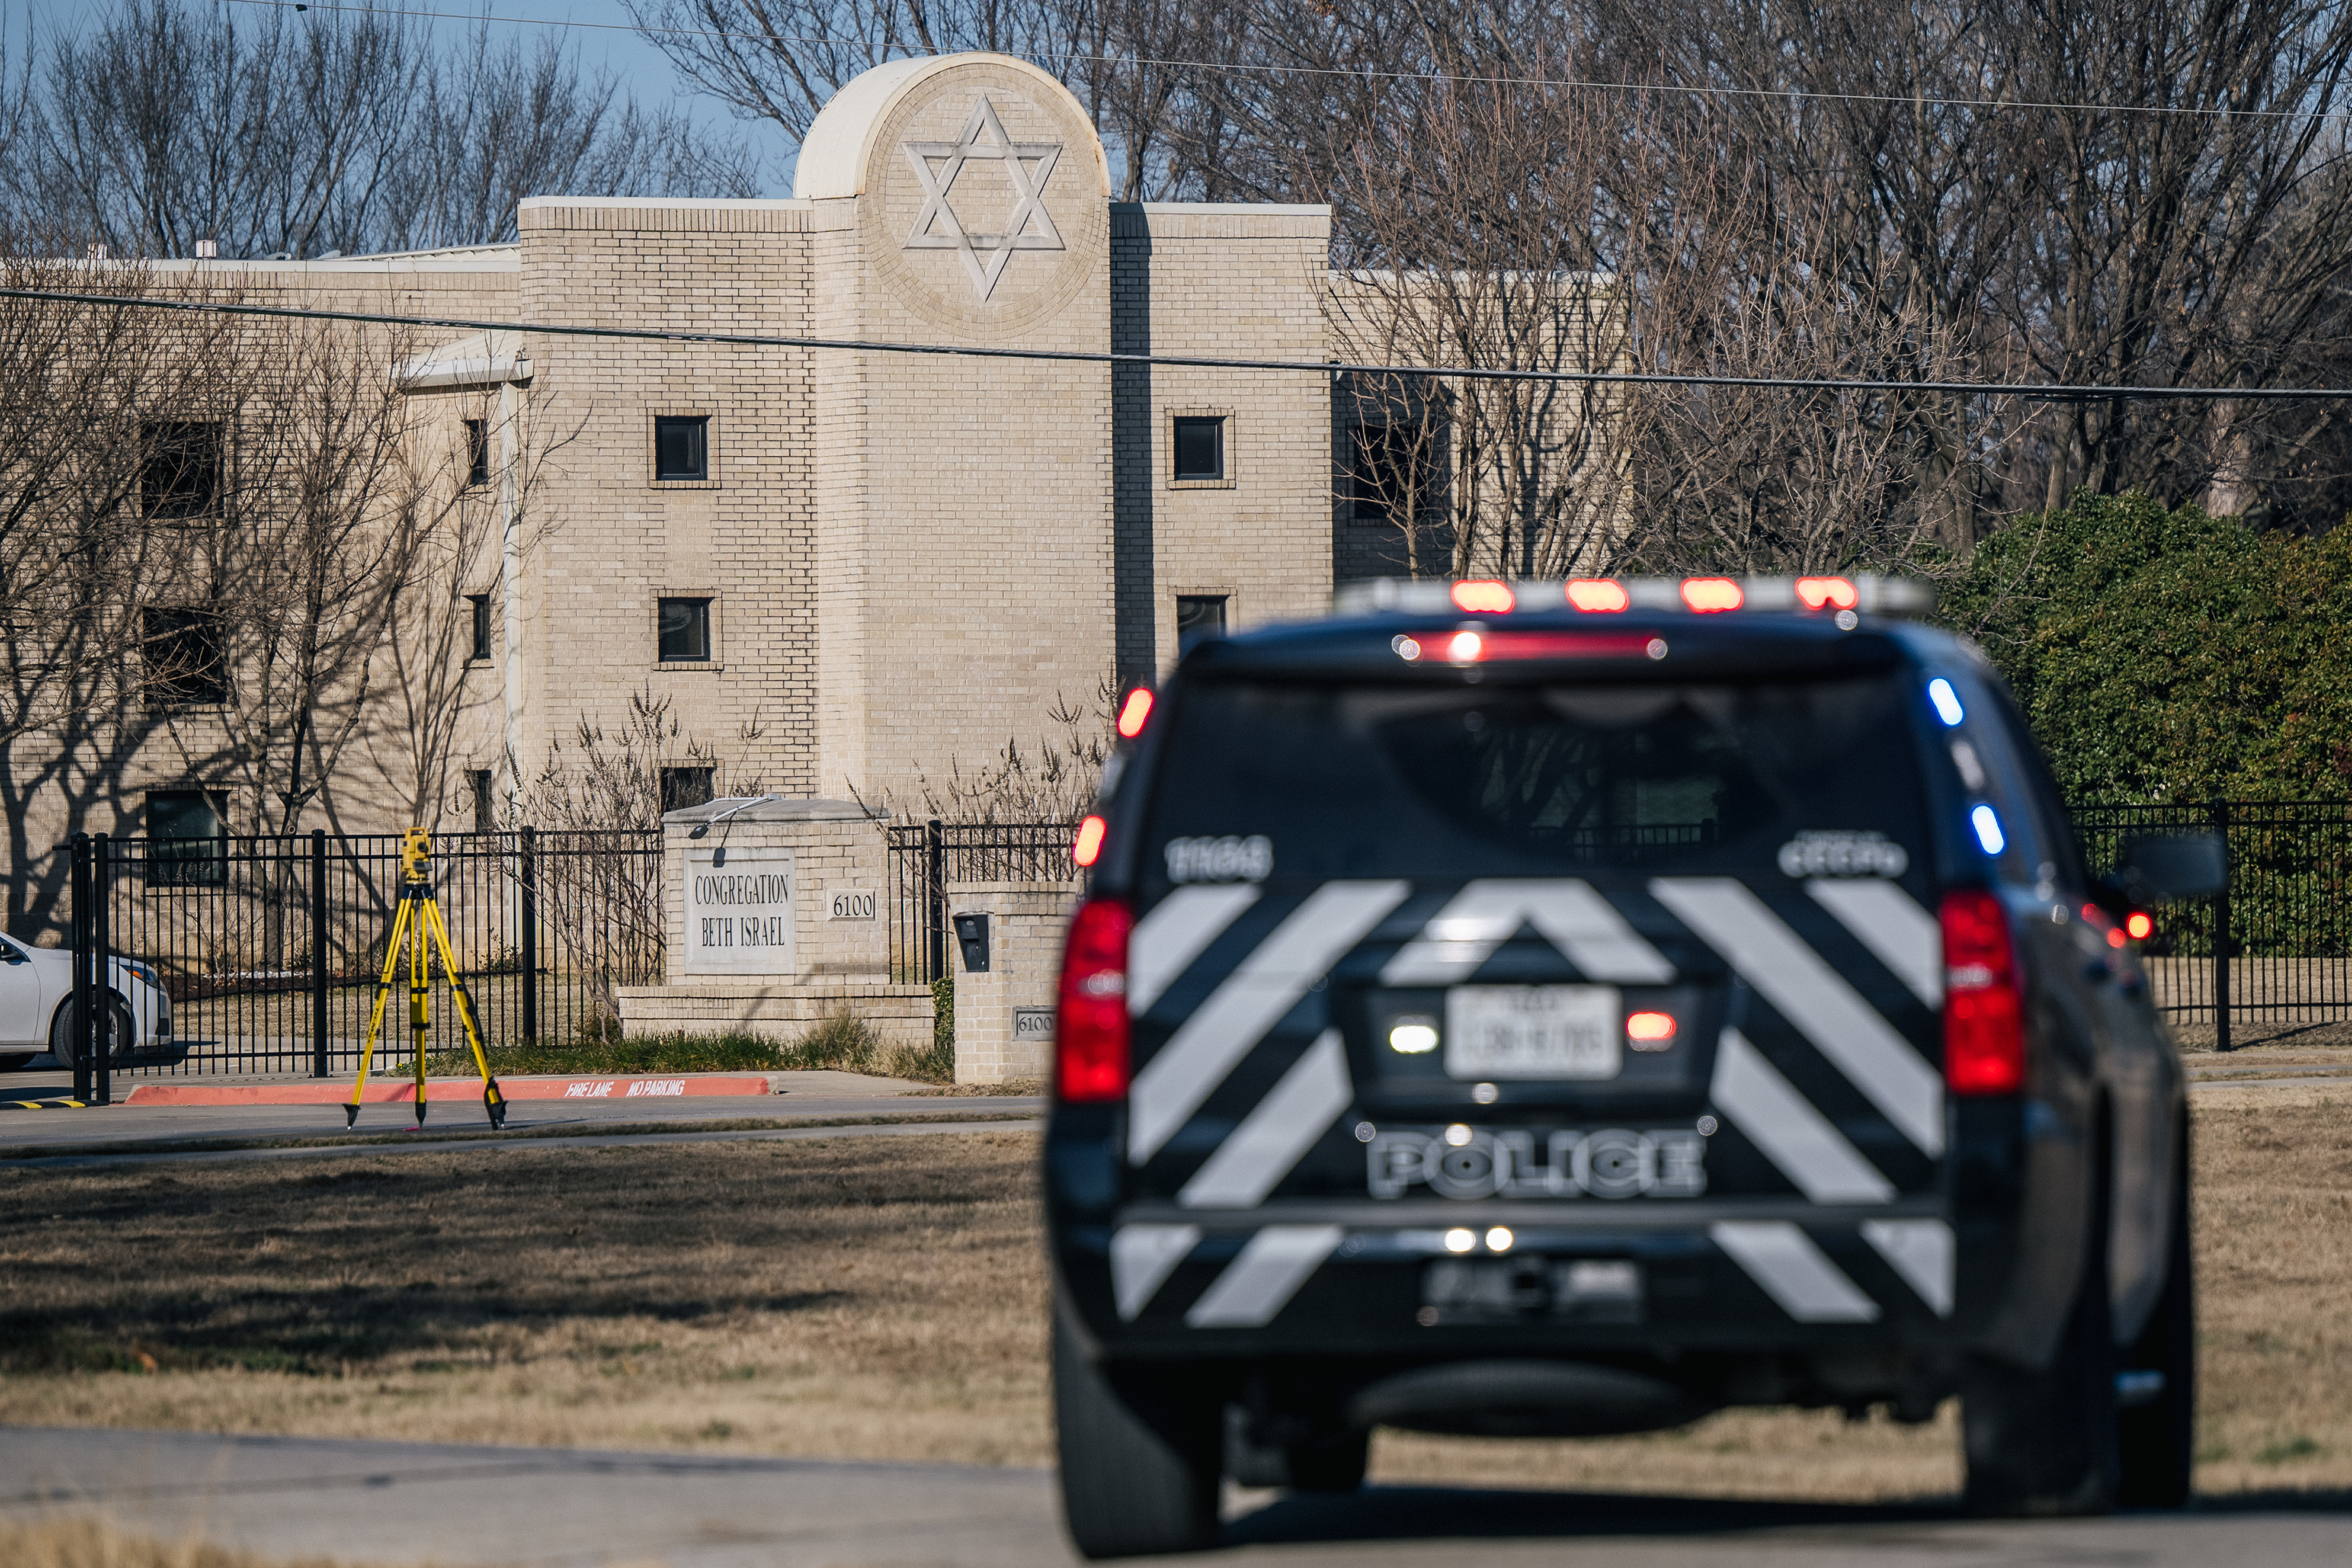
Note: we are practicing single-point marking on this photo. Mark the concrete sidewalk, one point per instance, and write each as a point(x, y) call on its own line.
point(791, 1095)
point(471, 1507)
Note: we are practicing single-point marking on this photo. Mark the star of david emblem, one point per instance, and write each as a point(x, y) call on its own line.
point(1027, 164)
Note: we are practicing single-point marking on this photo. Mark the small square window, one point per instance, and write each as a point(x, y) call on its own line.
point(182, 651)
point(1200, 618)
point(486, 803)
point(682, 449)
point(480, 605)
point(180, 472)
point(186, 842)
point(682, 787)
point(1199, 448)
point(477, 452)
point(685, 630)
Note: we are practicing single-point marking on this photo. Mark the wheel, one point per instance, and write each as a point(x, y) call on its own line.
point(2157, 1387)
point(65, 1033)
point(2042, 1444)
point(1140, 1451)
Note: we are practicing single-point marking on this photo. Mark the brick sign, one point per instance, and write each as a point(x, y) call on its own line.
point(1032, 1024)
point(738, 911)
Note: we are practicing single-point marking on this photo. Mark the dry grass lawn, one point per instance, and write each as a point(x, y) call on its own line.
point(883, 1298)
point(873, 1296)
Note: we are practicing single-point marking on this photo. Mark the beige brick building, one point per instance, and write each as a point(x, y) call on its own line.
point(847, 568)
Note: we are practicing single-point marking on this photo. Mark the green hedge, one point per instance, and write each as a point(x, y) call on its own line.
point(2170, 656)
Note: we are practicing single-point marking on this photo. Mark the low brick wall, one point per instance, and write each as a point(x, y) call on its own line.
point(900, 1014)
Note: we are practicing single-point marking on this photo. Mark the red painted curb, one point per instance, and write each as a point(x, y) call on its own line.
point(395, 1089)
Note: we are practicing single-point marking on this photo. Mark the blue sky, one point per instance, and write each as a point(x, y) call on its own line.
point(600, 29)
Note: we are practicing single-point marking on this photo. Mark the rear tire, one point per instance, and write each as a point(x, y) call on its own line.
point(2042, 1444)
point(1140, 1451)
point(2157, 1440)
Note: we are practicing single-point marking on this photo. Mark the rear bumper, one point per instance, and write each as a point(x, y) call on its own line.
point(1364, 1280)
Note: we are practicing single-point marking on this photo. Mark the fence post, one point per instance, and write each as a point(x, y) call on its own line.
point(101, 942)
point(317, 952)
point(529, 914)
point(935, 901)
point(2221, 933)
point(77, 880)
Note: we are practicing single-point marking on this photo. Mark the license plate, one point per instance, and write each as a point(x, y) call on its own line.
point(1534, 1032)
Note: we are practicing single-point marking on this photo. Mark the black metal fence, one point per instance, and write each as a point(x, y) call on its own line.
point(271, 947)
point(926, 857)
point(2276, 946)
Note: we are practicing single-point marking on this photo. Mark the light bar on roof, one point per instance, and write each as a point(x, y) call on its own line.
point(1821, 595)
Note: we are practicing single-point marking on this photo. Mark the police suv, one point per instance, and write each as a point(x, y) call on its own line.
point(1568, 1008)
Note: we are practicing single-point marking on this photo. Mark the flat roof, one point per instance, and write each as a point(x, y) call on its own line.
point(698, 203)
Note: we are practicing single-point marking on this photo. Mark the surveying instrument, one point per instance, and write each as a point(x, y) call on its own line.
point(415, 923)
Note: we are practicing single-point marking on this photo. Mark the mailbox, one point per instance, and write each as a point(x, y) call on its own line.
point(972, 935)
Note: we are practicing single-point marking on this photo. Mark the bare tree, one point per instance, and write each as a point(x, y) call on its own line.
point(267, 625)
point(2150, 193)
point(1054, 781)
point(780, 61)
point(268, 133)
point(597, 801)
point(487, 468)
point(91, 469)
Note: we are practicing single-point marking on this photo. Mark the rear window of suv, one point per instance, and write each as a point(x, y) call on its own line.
point(1310, 781)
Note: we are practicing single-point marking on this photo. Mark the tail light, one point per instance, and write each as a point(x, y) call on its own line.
point(1984, 1012)
point(1090, 1041)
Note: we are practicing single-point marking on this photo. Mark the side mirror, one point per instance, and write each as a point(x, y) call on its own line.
point(2166, 870)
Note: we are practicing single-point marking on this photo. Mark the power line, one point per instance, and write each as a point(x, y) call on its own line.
point(1680, 89)
point(2036, 391)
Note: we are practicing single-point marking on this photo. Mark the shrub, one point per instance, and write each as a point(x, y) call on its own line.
point(2169, 655)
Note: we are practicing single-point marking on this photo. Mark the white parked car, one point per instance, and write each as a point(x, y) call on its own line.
point(37, 1005)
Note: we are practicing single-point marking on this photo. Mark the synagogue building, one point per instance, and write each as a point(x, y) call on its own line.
point(848, 568)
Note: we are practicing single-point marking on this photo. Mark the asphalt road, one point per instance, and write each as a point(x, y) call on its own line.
point(93, 1130)
point(402, 1503)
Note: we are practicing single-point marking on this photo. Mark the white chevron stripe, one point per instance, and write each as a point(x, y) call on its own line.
point(1263, 1279)
point(1793, 1271)
point(1252, 1000)
point(1273, 1137)
point(1814, 997)
point(1793, 1135)
point(1484, 915)
point(1167, 941)
point(1890, 922)
point(1141, 1258)
point(1921, 1251)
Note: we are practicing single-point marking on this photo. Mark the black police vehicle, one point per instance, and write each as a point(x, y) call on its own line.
point(1570, 1008)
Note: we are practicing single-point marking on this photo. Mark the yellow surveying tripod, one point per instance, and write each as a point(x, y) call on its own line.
point(417, 919)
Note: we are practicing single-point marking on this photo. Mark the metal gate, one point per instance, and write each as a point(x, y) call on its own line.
point(925, 856)
point(2275, 947)
point(271, 947)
